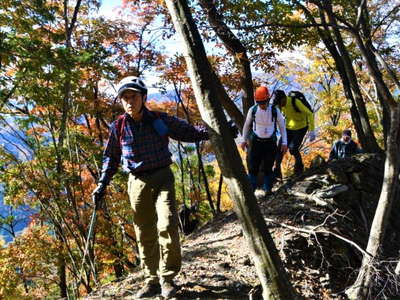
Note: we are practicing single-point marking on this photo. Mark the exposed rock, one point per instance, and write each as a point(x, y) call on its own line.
point(319, 223)
point(317, 161)
point(332, 191)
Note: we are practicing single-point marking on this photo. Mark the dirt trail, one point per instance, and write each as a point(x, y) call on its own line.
point(309, 224)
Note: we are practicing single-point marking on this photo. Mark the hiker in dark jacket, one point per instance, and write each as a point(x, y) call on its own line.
point(345, 147)
point(139, 139)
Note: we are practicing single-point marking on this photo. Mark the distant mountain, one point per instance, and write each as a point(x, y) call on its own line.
point(161, 97)
point(12, 141)
point(18, 218)
point(20, 215)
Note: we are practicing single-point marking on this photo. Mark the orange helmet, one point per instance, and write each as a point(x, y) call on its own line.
point(261, 94)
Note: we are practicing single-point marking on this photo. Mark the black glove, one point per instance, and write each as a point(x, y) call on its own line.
point(233, 128)
point(98, 195)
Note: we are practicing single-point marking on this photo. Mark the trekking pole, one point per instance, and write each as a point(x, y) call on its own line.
point(87, 245)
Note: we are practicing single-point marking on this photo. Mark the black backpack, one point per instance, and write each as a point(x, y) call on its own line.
point(296, 95)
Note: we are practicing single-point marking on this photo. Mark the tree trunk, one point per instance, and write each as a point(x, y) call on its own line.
point(365, 23)
point(371, 57)
point(62, 277)
point(349, 83)
point(364, 283)
point(199, 157)
point(268, 264)
point(235, 46)
point(355, 116)
point(180, 150)
point(205, 180)
point(228, 104)
point(370, 143)
point(69, 27)
point(384, 94)
point(219, 193)
point(182, 173)
point(392, 74)
point(385, 115)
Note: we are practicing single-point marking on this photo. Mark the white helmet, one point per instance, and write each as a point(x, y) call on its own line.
point(131, 83)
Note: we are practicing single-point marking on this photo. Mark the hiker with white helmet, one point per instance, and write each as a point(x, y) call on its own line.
point(259, 136)
point(139, 138)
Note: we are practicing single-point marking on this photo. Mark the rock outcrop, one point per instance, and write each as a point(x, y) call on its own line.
point(320, 223)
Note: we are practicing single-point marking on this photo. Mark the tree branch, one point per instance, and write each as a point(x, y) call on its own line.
point(360, 12)
point(394, 10)
point(74, 18)
point(289, 26)
point(236, 47)
point(314, 232)
point(8, 96)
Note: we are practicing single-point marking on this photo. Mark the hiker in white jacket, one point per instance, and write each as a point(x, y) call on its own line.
point(259, 136)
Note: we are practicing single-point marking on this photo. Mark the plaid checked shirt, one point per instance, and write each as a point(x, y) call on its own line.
point(140, 147)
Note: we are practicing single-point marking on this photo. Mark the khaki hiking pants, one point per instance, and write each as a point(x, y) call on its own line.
point(156, 223)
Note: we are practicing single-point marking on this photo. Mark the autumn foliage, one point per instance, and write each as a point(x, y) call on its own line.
point(58, 72)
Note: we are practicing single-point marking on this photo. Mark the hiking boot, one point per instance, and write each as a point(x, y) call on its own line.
point(298, 166)
point(277, 174)
point(168, 289)
point(149, 290)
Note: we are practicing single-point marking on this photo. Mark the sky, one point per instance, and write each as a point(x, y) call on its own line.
point(109, 9)
point(173, 45)
point(21, 220)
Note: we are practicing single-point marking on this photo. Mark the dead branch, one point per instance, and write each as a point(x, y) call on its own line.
point(311, 197)
point(323, 231)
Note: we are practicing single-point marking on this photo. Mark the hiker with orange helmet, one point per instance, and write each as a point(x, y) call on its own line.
point(259, 136)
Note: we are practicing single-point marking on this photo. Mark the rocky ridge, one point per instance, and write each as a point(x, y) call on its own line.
point(319, 222)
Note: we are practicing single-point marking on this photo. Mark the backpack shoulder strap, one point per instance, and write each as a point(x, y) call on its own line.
point(253, 111)
point(274, 113)
point(294, 99)
point(253, 115)
point(297, 96)
point(119, 126)
point(274, 117)
point(159, 125)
